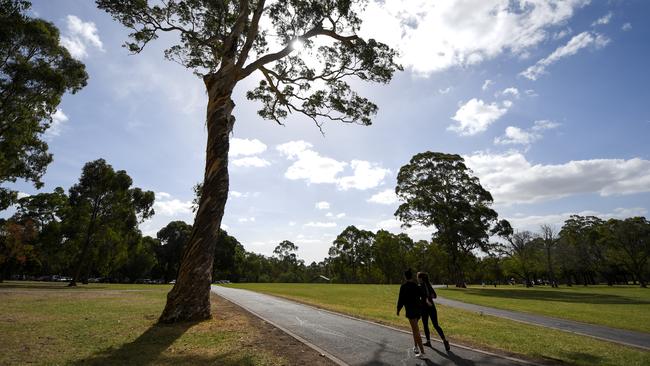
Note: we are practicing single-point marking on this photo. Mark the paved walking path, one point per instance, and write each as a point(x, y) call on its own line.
point(350, 341)
point(627, 337)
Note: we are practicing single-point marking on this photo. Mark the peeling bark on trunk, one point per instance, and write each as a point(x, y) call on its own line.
point(189, 299)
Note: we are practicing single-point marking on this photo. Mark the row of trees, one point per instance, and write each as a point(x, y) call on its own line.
point(586, 250)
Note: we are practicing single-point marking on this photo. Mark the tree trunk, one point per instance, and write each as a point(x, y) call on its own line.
point(84, 251)
point(189, 299)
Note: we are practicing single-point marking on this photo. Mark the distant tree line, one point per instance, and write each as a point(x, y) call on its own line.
point(91, 232)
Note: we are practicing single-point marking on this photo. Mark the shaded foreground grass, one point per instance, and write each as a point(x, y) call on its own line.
point(377, 302)
point(625, 307)
point(46, 323)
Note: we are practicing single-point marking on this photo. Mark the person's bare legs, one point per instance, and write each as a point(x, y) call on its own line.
point(416, 334)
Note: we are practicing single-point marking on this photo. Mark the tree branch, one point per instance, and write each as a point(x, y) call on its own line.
point(251, 34)
point(316, 31)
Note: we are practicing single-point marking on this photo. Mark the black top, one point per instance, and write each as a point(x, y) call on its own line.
point(427, 292)
point(410, 298)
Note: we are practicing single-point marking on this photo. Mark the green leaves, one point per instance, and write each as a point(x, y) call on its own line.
point(35, 72)
point(225, 38)
point(439, 190)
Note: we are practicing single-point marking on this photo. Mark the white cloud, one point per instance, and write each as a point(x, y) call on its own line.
point(320, 224)
point(79, 36)
point(578, 42)
point(475, 116)
point(416, 232)
point(386, 197)
point(292, 149)
point(323, 205)
point(292, 223)
point(517, 136)
point(531, 93)
point(366, 175)
point(329, 214)
point(626, 27)
point(246, 219)
point(340, 215)
point(445, 90)
point(545, 124)
point(487, 84)
point(512, 91)
point(435, 35)
point(563, 33)
point(533, 222)
point(237, 194)
point(22, 195)
point(172, 207)
point(246, 147)
point(511, 178)
point(163, 195)
point(310, 166)
point(251, 162)
point(603, 20)
point(58, 119)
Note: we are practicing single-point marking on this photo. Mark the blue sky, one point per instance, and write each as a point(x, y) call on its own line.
point(546, 100)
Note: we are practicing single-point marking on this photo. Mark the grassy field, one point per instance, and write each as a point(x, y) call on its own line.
point(46, 323)
point(377, 302)
point(626, 307)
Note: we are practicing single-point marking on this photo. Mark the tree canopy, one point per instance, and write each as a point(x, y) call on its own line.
point(238, 37)
point(439, 190)
point(106, 210)
point(35, 72)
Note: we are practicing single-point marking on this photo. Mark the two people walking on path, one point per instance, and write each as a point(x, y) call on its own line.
point(416, 297)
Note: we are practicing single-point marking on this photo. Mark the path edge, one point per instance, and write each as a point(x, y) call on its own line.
point(341, 363)
point(333, 358)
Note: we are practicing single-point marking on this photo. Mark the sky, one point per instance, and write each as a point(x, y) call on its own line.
point(547, 101)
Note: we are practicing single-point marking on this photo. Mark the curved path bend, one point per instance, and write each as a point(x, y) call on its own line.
point(350, 341)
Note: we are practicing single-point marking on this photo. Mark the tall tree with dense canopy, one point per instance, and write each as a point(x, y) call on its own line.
point(581, 234)
point(106, 211)
point(35, 72)
point(629, 243)
point(225, 42)
point(439, 190)
point(350, 252)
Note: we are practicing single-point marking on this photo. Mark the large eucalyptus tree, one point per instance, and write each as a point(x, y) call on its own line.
point(226, 41)
point(438, 190)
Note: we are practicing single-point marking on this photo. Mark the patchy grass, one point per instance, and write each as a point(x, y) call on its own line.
point(626, 307)
point(98, 324)
point(377, 302)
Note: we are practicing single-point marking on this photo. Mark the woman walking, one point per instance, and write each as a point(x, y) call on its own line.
point(410, 298)
point(429, 309)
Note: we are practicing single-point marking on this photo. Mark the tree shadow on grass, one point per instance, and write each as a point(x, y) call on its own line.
point(559, 296)
point(145, 349)
point(582, 357)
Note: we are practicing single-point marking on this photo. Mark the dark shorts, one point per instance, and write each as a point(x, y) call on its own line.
point(413, 312)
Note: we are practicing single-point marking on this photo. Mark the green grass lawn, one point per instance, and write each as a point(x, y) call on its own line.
point(377, 302)
point(47, 323)
point(626, 307)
